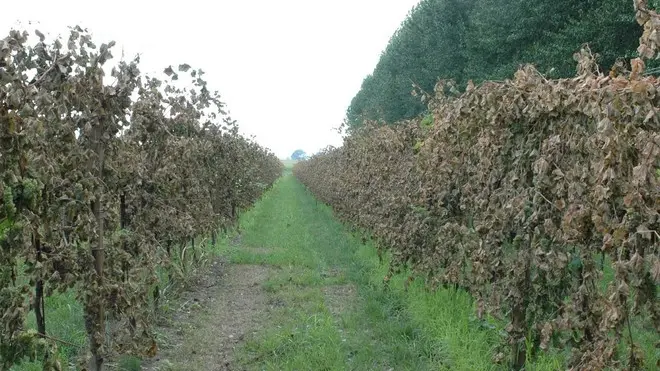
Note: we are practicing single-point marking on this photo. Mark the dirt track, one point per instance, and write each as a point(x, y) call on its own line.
point(226, 304)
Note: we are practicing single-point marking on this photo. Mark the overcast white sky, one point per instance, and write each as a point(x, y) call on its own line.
point(287, 69)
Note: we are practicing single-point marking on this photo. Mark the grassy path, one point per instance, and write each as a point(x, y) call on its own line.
point(327, 308)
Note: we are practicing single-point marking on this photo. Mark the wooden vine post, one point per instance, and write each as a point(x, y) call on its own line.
point(96, 309)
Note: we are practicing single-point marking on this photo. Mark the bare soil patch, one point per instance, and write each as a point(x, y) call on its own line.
point(225, 307)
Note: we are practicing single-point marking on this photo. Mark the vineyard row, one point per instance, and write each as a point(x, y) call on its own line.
point(105, 181)
point(539, 197)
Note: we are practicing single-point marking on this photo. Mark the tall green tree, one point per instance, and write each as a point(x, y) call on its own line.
point(298, 154)
point(488, 40)
point(427, 46)
point(504, 34)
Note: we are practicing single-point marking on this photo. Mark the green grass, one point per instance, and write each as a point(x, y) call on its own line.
point(64, 321)
point(379, 327)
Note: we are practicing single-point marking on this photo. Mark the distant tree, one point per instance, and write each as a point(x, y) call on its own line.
point(299, 154)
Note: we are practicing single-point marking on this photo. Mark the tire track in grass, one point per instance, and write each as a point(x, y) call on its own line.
point(225, 306)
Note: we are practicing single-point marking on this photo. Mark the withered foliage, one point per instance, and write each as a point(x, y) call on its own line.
point(104, 180)
point(523, 193)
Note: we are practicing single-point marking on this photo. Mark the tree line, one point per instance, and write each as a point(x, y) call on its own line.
point(482, 40)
